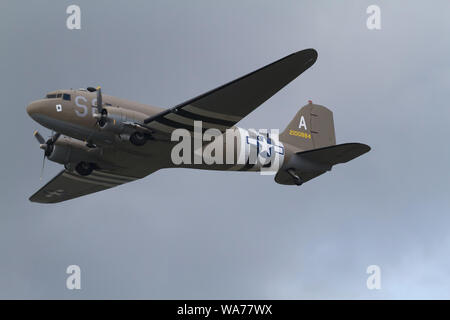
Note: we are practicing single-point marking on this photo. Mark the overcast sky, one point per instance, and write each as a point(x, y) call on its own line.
point(196, 234)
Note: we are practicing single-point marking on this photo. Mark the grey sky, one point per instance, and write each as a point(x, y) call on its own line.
point(154, 238)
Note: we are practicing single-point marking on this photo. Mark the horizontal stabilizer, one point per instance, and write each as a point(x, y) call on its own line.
point(306, 165)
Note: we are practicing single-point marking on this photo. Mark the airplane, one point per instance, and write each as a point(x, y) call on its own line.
point(104, 141)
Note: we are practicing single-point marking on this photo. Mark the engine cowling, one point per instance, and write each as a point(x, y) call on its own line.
point(117, 120)
point(68, 150)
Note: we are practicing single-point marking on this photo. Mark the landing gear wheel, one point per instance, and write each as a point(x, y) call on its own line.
point(138, 139)
point(84, 168)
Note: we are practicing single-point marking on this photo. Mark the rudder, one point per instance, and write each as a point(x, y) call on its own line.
point(311, 128)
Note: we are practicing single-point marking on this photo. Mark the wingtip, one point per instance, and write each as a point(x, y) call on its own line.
point(366, 148)
point(312, 51)
point(313, 54)
point(309, 56)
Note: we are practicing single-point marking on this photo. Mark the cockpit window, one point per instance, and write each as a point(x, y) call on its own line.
point(58, 95)
point(66, 96)
point(51, 96)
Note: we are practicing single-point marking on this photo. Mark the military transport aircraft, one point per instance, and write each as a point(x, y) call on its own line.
point(104, 141)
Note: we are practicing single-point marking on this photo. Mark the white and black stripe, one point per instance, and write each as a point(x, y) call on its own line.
point(184, 118)
point(100, 178)
point(211, 114)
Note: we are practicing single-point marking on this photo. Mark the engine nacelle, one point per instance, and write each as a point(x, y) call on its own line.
point(68, 150)
point(118, 120)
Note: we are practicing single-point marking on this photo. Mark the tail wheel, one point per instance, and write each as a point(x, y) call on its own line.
point(84, 168)
point(297, 180)
point(138, 139)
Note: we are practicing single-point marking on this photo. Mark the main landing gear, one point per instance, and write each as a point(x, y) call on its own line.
point(84, 168)
point(138, 138)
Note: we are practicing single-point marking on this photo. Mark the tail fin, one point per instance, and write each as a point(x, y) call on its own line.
point(311, 128)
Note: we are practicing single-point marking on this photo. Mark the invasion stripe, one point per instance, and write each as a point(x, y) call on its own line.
point(115, 176)
point(247, 166)
point(180, 118)
point(211, 114)
point(235, 168)
point(160, 127)
point(96, 180)
point(92, 181)
point(106, 179)
point(194, 116)
point(177, 125)
point(268, 164)
point(101, 176)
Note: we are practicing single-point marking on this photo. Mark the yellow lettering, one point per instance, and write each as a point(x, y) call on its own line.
point(300, 134)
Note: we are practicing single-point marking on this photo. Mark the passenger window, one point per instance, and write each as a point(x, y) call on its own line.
point(66, 96)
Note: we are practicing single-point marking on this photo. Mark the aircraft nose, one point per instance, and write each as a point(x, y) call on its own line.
point(35, 108)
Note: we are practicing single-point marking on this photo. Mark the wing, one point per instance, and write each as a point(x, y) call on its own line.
point(69, 185)
point(224, 106)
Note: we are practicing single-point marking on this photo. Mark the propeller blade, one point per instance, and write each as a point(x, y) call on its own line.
point(42, 169)
point(99, 100)
point(39, 137)
point(47, 146)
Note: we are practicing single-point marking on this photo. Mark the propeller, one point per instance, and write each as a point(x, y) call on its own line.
point(47, 146)
point(101, 112)
point(99, 100)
